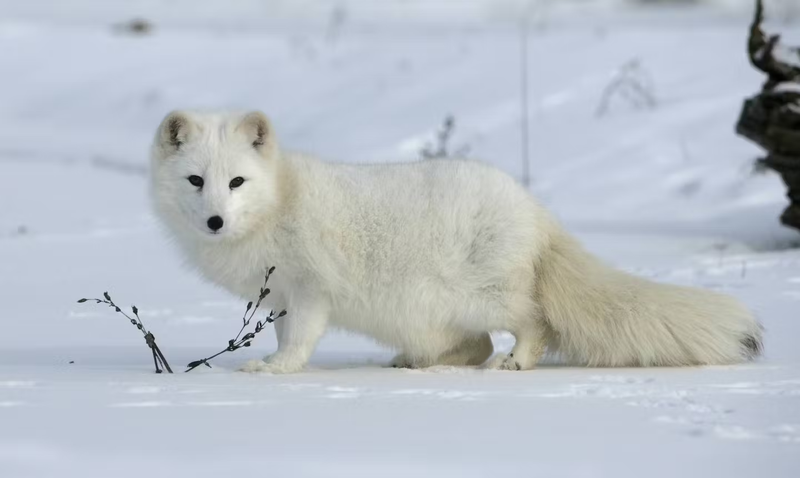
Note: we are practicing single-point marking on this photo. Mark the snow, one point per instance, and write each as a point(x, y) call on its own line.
point(788, 87)
point(667, 193)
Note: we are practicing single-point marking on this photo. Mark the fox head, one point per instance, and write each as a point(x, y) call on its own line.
point(215, 176)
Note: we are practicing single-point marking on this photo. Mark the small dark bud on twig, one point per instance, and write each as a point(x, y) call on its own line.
point(246, 340)
point(158, 356)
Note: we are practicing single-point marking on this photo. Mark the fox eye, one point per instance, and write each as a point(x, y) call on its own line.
point(196, 181)
point(236, 182)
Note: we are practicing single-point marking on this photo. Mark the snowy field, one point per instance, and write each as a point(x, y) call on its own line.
point(666, 192)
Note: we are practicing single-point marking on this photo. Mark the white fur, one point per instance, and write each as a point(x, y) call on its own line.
point(426, 257)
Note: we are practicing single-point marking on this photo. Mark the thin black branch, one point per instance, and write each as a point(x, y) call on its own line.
point(632, 83)
point(442, 148)
point(761, 51)
point(158, 357)
point(244, 341)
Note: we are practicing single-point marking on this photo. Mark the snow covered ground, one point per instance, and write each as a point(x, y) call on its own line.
point(666, 193)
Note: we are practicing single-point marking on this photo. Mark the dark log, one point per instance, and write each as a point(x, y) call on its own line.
point(761, 50)
point(771, 119)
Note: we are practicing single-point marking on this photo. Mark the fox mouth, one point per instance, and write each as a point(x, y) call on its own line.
point(209, 234)
point(214, 236)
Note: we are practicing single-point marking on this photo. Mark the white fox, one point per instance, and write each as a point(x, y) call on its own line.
point(427, 258)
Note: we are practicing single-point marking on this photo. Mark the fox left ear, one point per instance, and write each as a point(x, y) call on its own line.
point(257, 128)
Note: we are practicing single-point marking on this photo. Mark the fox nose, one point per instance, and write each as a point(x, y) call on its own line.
point(215, 223)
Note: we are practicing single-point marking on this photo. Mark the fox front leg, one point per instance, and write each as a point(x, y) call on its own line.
point(298, 334)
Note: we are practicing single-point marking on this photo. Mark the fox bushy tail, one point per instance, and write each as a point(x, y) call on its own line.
point(605, 317)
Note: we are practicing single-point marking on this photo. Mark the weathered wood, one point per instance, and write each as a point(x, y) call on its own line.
point(771, 119)
point(761, 50)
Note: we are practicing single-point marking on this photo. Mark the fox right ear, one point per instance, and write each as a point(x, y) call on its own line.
point(174, 130)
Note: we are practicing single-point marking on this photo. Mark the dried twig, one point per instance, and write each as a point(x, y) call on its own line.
point(443, 137)
point(244, 340)
point(234, 344)
point(761, 51)
point(159, 360)
point(632, 83)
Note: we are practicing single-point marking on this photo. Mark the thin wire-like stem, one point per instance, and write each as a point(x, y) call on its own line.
point(159, 360)
point(244, 341)
point(524, 105)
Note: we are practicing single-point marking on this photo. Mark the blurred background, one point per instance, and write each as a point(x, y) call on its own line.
point(85, 82)
point(618, 114)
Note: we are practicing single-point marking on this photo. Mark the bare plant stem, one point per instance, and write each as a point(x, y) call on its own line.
point(159, 360)
point(244, 341)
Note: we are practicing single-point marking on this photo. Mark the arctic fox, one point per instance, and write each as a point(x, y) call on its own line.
point(427, 258)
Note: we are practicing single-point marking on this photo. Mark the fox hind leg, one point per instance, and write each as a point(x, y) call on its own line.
point(531, 343)
point(472, 350)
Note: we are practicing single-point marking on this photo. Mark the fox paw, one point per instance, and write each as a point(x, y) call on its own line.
point(401, 361)
point(406, 361)
point(505, 362)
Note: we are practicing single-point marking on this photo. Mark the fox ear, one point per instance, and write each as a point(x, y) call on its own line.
point(174, 130)
point(258, 129)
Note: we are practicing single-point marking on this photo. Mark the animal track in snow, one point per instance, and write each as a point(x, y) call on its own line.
point(788, 387)
point(612, 391)
point(781, 433)
point(683, 407)
point(707, 419)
